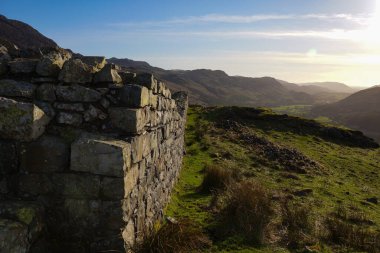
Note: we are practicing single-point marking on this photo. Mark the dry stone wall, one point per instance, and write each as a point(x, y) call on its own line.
point(89, 153)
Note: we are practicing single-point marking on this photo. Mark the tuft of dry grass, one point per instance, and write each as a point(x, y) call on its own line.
point(178, 237)
point(247, 211)
point(347, 228)
point(216, 179)
point(298, 224)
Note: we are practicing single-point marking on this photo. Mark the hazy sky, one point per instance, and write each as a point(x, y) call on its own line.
point(294, 40)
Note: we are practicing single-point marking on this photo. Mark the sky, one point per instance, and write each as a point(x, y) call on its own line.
point(293, 40)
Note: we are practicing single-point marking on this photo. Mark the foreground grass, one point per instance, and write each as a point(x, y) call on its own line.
point(348, 176)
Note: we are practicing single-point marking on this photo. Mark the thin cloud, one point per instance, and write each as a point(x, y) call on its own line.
point(238, 19)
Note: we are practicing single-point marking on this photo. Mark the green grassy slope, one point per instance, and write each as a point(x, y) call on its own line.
point(277, 152)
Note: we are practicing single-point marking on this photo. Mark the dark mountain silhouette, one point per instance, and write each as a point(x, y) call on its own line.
point(23, 35)
point(359, 111)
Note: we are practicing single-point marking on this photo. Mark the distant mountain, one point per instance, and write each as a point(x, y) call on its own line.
point(215, 87)
point(23, 35)
point(332, 87)
point(359, 111)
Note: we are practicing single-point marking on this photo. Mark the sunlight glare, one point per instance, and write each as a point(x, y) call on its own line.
point(372, 34)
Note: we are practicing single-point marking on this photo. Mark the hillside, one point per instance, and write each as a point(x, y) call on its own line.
point(318, 185)
point(332, 86)
point(23, 35)
point(215, 87)
point(359, 111)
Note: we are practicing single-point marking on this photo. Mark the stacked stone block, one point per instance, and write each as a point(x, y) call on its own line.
point(97, 148)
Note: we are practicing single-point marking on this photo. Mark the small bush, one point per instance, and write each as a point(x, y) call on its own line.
point(179, 237)
point(349, 229)
point(247, 211)
point(298, 223)
point(216, 179)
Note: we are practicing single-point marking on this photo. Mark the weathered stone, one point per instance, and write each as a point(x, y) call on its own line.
point(77, 186)
point(108, 74)
point(112, 188)
point(137, 148)
point(100, 155)
point(129, 234)
point(28, 213)
point(96, 62)
point(74, 119)
point(105, 103)
point(46, 92)
point(94, 113)
point(47, 154)
point(11, 88)
point(147, 80)
point(129, 120)
point(46, 108)
point(77, 93)
point(75, 71)
point(39, 80)
point(13, 237)
point(181, 99)
point(153, 99)
point(127, 77)
point(23, 66)
point(8, 162)
point(76, 107)
point(130, 179)
point(50, 65)
point(21, 121)
point(134, 95)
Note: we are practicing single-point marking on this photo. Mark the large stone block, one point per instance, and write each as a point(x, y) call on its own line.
point(11, 88)
point(21, 121)
point(50, 65)
point(128, 120)
point(47, 154)
point(46, 92)
point(134, 95)
point(77, 186)
point(100, 155)
point(75, 71)
point(147, 80)
point(23, 66)
point(130, 179)
point(96, 62)
point(108, 74)
point(112, 188)
point(66, 118)
point(13, 237)
point(9, 158)
point(77, 93)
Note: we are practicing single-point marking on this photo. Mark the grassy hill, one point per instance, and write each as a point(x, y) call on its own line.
point(359, 111)
point(316, 186)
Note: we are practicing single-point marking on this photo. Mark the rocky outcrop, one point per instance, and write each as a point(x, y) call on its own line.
point(94, 150)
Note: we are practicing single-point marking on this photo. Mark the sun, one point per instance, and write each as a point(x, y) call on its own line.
point(372, 33)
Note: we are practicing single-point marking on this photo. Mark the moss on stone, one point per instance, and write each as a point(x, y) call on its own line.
point(26, 215)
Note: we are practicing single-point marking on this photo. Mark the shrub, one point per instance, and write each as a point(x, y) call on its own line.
point(216, 178)
point(178, 237)
point(298, 223)
point(349, 229)
point(247, 211)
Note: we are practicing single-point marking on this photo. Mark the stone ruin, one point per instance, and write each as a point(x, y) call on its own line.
point(89, 153)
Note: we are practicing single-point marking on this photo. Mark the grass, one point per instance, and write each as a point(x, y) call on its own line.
point(348, 175)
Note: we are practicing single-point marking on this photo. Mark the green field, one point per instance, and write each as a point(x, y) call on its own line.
point(345, 174)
